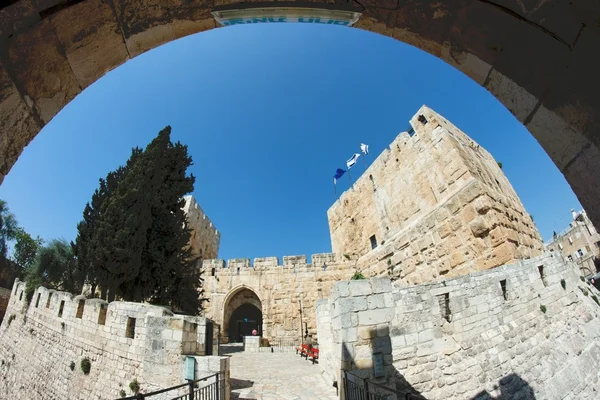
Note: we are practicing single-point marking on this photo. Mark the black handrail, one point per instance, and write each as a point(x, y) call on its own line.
point(407, 395)
point(189, 384)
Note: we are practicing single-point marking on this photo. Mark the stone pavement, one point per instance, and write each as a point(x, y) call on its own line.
point(275, 376)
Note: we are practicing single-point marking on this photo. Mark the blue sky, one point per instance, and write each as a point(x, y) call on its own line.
point(268, 112)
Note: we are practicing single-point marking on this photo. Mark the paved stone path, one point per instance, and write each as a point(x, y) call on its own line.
point(275, 376)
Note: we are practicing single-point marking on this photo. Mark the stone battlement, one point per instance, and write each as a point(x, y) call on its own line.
point(44, 343)
point(297, 261)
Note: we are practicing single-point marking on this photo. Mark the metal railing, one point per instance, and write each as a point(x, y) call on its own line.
point(357, 388)
point(211, 387)
point(284, 342)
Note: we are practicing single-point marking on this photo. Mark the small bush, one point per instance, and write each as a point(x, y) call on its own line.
point(584, 291)
point(62, 324)
point(595, 299)
point(582, 278)
point(563, 283)
point(86, 365)
point(357, 276)
point(72, 366)
point(122, 393)
point(543, 308)
point(134, 386)
point(31, 331)
point(11, 319)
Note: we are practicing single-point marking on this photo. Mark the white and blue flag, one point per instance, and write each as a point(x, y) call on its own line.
point(364, 148)
point(352, 160)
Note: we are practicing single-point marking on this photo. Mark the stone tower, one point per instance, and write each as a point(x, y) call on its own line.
point(434, 205)
point(205, 238)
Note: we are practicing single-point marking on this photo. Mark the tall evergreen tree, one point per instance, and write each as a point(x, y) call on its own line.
point(86, 245)
point(141, 236)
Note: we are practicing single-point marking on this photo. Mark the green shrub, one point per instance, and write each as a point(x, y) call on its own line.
point(595, 299)
point(11, 318)
point(86, 365)
point(543, 308)
point(134, 386)
point(357, 276)
point(584, 291)
point(582, 278)
point(122, 393)
point(31, 331)
point(563, 283)
point(72, 366)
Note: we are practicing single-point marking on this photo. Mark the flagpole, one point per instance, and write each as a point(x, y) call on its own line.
point(349, 176)
point(334, 190)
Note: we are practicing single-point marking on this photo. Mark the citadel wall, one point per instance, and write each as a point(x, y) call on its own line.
point(436, 204)
point(205, 238)
point(528, 327)
point(124, 341)
point(282, 290)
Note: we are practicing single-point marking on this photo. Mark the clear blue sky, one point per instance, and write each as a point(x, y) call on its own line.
point(268, 112)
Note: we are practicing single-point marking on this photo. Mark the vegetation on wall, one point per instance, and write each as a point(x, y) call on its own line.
point(357, 276)
point(134, 386)
point(86, 365)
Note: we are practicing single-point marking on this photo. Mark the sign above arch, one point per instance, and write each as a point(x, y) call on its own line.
point(253, 13)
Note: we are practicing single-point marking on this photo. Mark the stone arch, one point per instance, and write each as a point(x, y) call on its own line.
point(538, 59)
point(242, 312)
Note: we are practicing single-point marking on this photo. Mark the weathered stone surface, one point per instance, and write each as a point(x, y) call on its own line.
point(461, 195)
point(42, 339)
point(491, 341)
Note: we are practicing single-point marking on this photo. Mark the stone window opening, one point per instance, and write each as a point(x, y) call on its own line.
point(213, 271)
point(21, 296)
point(580, 252)
point(503, 286)
point(373, 240)
point(352, 220)
point(60, 308)
point(80, 307)
point(570, 240)
point(373, 183)
point(102, 315)
point(238, 270)
point(411, 132)
point(130, 329)
point(444, 303)
point(541, 271)
point(37, 300)
point(570, 258)
point(422, 119)
point(48, 301)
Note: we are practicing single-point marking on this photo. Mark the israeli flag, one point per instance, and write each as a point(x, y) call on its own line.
point(338, 174)
point(364, 148)
point(353, 160)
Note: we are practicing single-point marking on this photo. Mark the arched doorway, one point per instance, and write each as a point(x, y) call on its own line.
point(242, 313)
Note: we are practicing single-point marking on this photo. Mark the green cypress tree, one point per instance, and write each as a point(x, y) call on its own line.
point(86, 245)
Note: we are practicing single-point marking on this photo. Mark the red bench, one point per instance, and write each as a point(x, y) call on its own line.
point(313, 354)
point(303, 350)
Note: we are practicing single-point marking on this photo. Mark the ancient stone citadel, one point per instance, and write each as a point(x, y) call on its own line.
point(432, 206)
point(460, 302)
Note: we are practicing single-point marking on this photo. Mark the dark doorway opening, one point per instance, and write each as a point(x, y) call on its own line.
point(244, 319)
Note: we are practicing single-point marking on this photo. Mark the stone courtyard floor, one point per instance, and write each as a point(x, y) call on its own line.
point(274, 376)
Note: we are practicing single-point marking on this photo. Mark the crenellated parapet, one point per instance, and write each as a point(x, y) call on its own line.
point(204, 238)
point(318, 260)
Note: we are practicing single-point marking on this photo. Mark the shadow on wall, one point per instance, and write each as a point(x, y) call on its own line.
point(511, 387)
point(373, 376)
point(379, 379)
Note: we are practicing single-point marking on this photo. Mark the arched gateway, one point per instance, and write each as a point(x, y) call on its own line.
point(242, 313)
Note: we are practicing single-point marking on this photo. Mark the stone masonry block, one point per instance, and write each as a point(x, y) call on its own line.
point(352, 304)
point(359, 288)
point(381, 285)
point(374, 317)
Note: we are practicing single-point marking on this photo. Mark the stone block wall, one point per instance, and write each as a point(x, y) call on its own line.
point(529, 327)
point(123, 341)
point(279, 289)
point(435, 184)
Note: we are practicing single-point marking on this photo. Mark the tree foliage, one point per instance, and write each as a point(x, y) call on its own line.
point(55, 266)
point(133, 239)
